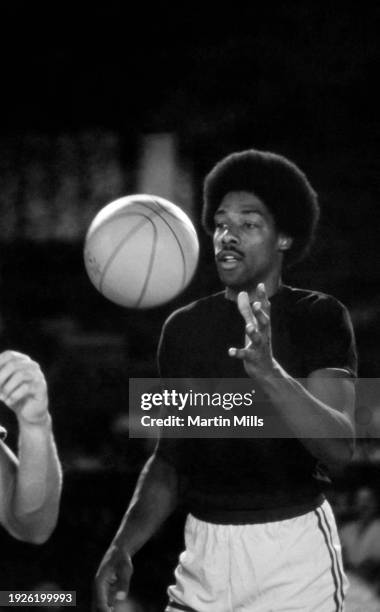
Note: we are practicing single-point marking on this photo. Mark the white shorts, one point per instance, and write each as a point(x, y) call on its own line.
point(293, 565)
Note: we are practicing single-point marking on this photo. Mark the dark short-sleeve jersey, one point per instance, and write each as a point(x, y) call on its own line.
point(228, 479)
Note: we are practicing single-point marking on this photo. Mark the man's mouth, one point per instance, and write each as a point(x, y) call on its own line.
point(228, 260)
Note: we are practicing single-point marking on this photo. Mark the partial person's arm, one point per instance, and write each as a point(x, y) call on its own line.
point(323, 407)
point(154, 499)
point(30, 484)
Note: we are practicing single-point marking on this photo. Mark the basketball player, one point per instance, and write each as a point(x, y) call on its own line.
point(260, 536)
point(30, 484)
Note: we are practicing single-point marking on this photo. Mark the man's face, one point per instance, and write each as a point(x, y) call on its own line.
point(248, 248)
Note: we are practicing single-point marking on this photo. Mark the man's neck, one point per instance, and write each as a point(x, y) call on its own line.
point(271, 286)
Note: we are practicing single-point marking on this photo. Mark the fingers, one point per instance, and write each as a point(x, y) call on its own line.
point(11, 362)
point(19, 377)
point(7, 373)
point(112, 582)
point(257, 320)
point(120, 596)
point(104, 592)
point(7, 356)
point(15, 395)
point(243, 354)
point(12, 382)
point(246, 311)
point(106, 584)
point(13, 379)
point(262, 297)
point(261, 316)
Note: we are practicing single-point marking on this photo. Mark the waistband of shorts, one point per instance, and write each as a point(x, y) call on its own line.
point(264, 515)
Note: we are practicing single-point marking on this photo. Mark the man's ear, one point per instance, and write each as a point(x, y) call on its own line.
point(284, 242)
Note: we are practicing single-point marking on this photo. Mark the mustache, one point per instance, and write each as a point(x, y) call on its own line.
point(228, 251)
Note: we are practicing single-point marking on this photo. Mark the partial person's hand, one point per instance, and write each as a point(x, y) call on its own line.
point(257, 354)
point(23, 387)
point(112, 579)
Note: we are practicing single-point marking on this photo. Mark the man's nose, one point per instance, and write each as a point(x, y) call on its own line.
point(230, 236)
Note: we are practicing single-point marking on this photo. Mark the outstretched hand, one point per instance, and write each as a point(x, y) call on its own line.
point(257, 354)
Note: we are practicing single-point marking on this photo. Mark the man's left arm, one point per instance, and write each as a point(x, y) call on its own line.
point(30, 484)
point(322, 407)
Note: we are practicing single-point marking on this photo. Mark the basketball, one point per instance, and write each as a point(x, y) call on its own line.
point(141, 251)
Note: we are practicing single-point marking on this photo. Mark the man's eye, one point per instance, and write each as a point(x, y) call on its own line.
point(250, 224)
point(220, 225)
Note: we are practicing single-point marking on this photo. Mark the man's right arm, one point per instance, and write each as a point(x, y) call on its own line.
point(154, 499)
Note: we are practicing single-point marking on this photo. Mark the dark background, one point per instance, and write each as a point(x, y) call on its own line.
point(80, 85)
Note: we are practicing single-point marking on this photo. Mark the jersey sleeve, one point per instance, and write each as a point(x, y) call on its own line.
point(330, 338)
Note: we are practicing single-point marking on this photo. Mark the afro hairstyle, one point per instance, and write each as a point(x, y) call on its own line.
point(281, 186)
